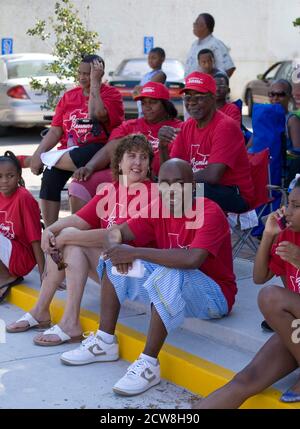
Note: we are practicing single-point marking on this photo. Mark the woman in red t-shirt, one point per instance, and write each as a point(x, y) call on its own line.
point(79, 238)
point(79, 138)
point(278, 254)
point(158, 111)
point(20, 227)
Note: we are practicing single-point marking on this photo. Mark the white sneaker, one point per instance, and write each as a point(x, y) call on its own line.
point(140, 376)
point(92, 349)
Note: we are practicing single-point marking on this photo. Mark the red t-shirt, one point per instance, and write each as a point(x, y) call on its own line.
point(231, 109)
point(74, 105)
point(283, 268)
point(20, 223)
point(213, 236)
point(115, 205)
point(149, 130)
point(221, 141)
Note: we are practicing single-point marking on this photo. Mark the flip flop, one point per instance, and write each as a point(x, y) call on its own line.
point(32, 323)
point(290, 396)
point(63, 337)
point(8, 286)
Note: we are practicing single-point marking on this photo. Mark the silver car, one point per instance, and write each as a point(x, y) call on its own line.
point(20, 105)
point(129, 73)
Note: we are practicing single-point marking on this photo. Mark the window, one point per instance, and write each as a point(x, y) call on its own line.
point(33, 68)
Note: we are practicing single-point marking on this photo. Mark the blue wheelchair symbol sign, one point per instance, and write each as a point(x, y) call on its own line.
point(6, 46)
point(148, 44)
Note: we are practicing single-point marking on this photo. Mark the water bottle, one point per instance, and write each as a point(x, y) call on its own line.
point(70, 141)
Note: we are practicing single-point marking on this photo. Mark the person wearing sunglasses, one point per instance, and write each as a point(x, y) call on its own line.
point(281, 93)
point(213, 144)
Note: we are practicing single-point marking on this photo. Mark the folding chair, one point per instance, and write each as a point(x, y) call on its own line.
point(260, 173)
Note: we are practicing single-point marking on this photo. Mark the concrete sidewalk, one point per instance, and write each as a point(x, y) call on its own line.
point(30, 373)
point(34, 377)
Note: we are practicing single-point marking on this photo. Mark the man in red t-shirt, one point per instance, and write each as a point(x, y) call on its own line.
point(214, 146)
point(188, 274)
point(223, 91)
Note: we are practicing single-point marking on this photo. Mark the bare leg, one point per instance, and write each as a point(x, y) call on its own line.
point(157, 334)
point(51, 281)
point(110, 306)
point(82, 263)
point(261, 373)
point(280, 307)
point(66, 163)
point(76, 203)
point(5, 277)
point(50, 211)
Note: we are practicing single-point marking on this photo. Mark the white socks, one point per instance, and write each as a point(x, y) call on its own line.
point(149, 359)
point(107, 338)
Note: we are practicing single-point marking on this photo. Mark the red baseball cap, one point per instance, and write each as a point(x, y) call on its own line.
point(154, 90)
point(200, 82)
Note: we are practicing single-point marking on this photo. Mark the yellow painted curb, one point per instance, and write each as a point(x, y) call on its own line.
point(179, 367)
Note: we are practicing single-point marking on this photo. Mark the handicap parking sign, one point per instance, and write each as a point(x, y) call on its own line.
point(6, 46)
point(148, 44)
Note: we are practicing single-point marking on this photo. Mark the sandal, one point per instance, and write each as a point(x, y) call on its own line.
point(290, 396)
point(32, 323)
point(63, 337)
point(8, 286)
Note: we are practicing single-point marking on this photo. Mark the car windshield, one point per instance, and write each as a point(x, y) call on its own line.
point(28, 68)
point(135, 69)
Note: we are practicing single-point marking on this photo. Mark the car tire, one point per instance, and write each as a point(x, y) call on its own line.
point(249, 102)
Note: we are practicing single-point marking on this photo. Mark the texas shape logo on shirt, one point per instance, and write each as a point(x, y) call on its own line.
point(174, 241)
point(83, 131)
point(295, 280)
point(6, 227)
point(198, 160)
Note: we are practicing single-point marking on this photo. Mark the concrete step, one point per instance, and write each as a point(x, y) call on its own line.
point(230, 342)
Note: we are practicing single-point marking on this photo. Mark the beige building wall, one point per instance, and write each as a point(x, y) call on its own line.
point(258, 32)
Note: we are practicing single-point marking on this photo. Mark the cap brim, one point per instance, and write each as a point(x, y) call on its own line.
point(194, 88)
point(140, 97)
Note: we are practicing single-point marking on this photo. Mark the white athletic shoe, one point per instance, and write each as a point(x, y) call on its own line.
point(140, 376)
point(92, 349)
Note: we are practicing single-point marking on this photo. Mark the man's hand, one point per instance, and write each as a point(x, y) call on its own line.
point(83, 173)
point(120, 254)
point(167, 135)
point(289, 252)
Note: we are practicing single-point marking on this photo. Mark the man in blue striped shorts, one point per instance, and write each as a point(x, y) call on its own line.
point(188, 274)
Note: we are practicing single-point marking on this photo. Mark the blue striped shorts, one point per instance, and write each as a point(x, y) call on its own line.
point(175, 293)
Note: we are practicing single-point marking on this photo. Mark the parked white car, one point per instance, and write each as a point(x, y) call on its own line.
point(20, 105)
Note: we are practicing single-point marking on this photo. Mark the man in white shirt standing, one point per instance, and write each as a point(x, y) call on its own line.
point(203, 28)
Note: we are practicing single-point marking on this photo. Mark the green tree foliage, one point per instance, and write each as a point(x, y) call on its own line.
point(296, 23)
point(72, 40)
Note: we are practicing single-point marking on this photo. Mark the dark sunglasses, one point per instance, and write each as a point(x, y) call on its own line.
point(278, 94)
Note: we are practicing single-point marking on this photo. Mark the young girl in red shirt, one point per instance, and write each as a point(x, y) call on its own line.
point(20, 227)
